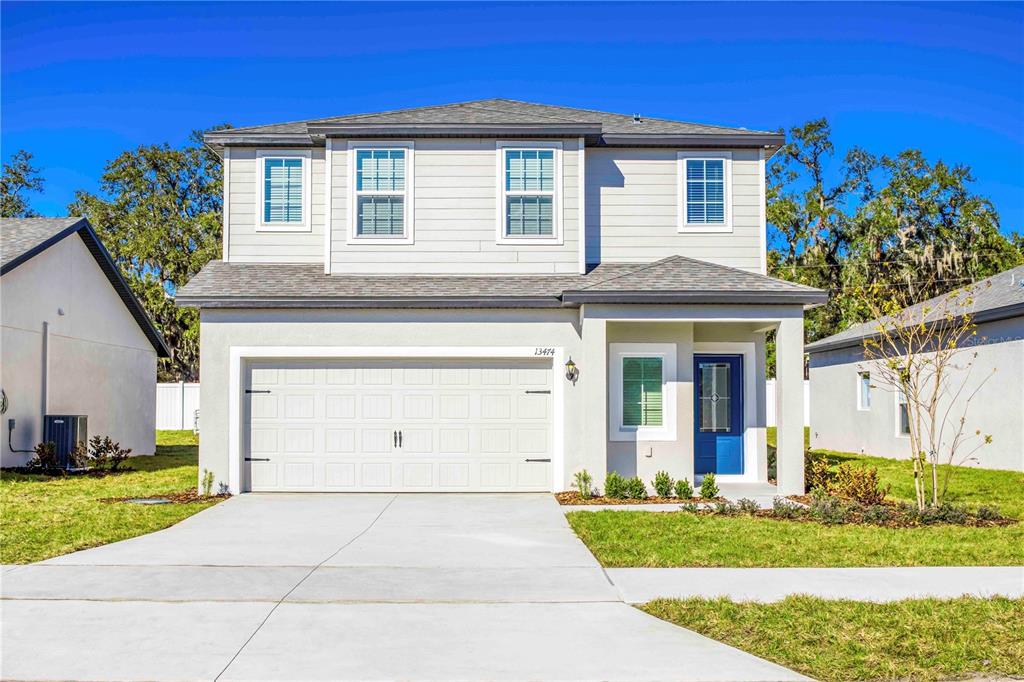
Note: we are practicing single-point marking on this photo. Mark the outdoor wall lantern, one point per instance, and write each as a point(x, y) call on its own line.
point(572, 372)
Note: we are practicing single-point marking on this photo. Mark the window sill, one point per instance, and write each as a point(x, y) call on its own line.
point(380, 241)
point(698, 228)
point(283, 227)
point(531, 241)
point(644, 433)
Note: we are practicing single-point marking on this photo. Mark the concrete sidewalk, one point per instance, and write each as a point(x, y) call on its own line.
point(639, 585)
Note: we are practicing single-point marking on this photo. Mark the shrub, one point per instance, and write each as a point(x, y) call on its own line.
point(987, 513)
point(615, 486)
point(748, 506)
point(773, 466)
point(690, 507)
point(879, 514)
point(860, 484)
point(708, 489)
point(726, 508)
point(46, 456)
point(105, 453)
point(784, 509)
point(828, 510)
point(662, 484)
point(817, 474)
point(684, 490)
point(635, 488)
point(207, 482)
point(584, 483)
point(944, 513)
point(79, 456)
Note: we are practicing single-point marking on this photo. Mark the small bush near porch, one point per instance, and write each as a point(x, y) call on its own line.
point(44, 516)
point(922, 639)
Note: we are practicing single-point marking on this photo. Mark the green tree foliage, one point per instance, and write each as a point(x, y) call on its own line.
point(159, 213)
point(911, 228)
point(19, 176)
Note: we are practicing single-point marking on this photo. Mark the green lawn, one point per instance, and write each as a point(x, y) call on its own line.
point(970, 485)
point(44, 516)
point(628, 538)
point(924, 639)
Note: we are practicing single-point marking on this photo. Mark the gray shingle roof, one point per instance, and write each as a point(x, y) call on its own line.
point(671, 280)
point(500, 111)
point(21, 239)
point(19, 236)
point(998, 296)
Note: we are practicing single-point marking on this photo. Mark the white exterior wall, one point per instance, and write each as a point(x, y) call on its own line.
point(998, 409)
point(632, 210)
point(581, 415)
point(455, 216)
point(100, 362)
point(247, 244)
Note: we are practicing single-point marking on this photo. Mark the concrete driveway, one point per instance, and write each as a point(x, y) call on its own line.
point(348, 587)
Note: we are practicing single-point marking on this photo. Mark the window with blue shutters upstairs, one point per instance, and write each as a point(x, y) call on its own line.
point(284, 192)
point(380, 204)
point(529, 177)
point(705, 191)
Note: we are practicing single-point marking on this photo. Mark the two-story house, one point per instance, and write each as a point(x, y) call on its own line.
point(492, 296)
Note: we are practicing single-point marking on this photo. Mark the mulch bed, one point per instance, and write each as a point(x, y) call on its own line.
point(64, 473)
point(573, 497)
point(183, 497)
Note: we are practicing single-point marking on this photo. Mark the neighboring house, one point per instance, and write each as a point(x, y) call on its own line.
point(492, 296)
point(852, 410)
point(74, 338)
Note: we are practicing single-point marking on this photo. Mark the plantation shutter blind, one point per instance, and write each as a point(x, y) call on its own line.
point(705, 191)
point(642, 403)
point(282, 191)
point(380, 190)
point(529, 187)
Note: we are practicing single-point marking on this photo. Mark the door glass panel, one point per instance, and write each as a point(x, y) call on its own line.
point(715, 399)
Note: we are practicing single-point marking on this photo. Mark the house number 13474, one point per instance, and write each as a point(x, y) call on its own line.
point(544, 351)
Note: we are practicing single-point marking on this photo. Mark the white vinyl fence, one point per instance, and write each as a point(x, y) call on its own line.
point(770, 402)
point(177, 406)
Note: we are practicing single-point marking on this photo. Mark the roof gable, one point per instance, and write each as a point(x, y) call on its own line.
point(21, 239)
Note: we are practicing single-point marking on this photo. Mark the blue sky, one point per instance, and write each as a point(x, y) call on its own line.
point(83, 82)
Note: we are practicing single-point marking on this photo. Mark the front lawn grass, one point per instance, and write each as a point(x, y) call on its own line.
point(921, 639)
point(46, 516)
point(668, 539)
point(970, 485)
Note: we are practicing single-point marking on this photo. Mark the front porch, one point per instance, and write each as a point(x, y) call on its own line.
point(682, 389)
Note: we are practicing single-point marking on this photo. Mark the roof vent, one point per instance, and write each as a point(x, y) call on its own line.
point(636, 118)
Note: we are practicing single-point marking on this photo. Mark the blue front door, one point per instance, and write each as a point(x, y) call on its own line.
point(718, 414)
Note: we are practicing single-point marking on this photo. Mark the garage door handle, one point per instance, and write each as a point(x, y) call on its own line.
point(394, 438)
point(538, 460)
point(257, 459)
point(249, 390)
point(399, 439)
point(538, 392)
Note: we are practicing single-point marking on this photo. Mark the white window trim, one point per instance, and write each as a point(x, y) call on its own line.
point(896, 413)
point(861, 407)
point(697, 228)
point(667, 353)
point(307, 194)
point(556, 203)
point(409, 237)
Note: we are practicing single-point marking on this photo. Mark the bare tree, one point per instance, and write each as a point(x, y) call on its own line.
point(924, 353)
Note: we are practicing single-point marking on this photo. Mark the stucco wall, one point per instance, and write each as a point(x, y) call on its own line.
point(998, 408)
point(100, 362)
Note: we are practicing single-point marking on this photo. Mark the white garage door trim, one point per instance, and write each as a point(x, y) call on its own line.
point(240, 354)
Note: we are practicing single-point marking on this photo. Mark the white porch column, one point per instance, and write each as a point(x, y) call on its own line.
point(593, 385)
point(789, 397)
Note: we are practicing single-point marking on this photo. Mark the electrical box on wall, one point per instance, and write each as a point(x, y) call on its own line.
point(66, 432)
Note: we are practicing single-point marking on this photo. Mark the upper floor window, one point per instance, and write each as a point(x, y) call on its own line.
point(381, 200)
point(705, 188)
point(530, 196)
point(284, 191)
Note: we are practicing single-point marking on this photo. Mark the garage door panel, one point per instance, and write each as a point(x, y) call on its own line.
point(465, 425)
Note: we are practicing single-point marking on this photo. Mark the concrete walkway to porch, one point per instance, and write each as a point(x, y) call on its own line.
point(639, 585)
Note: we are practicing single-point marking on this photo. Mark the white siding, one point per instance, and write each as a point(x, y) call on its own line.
point(244, 242)
point(455, 204)
point(632, 214)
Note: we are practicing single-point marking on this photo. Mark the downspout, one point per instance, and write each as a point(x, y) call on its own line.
point(45, 402)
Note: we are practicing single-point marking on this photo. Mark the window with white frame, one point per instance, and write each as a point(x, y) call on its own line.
point(642, 402)
point(284, 191)
point(529, 178)
point(902, 413)
point(863, 390)
point(705, 188)
point(380, 193)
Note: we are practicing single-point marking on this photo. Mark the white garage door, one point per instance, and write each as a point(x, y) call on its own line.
point(399, 426)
